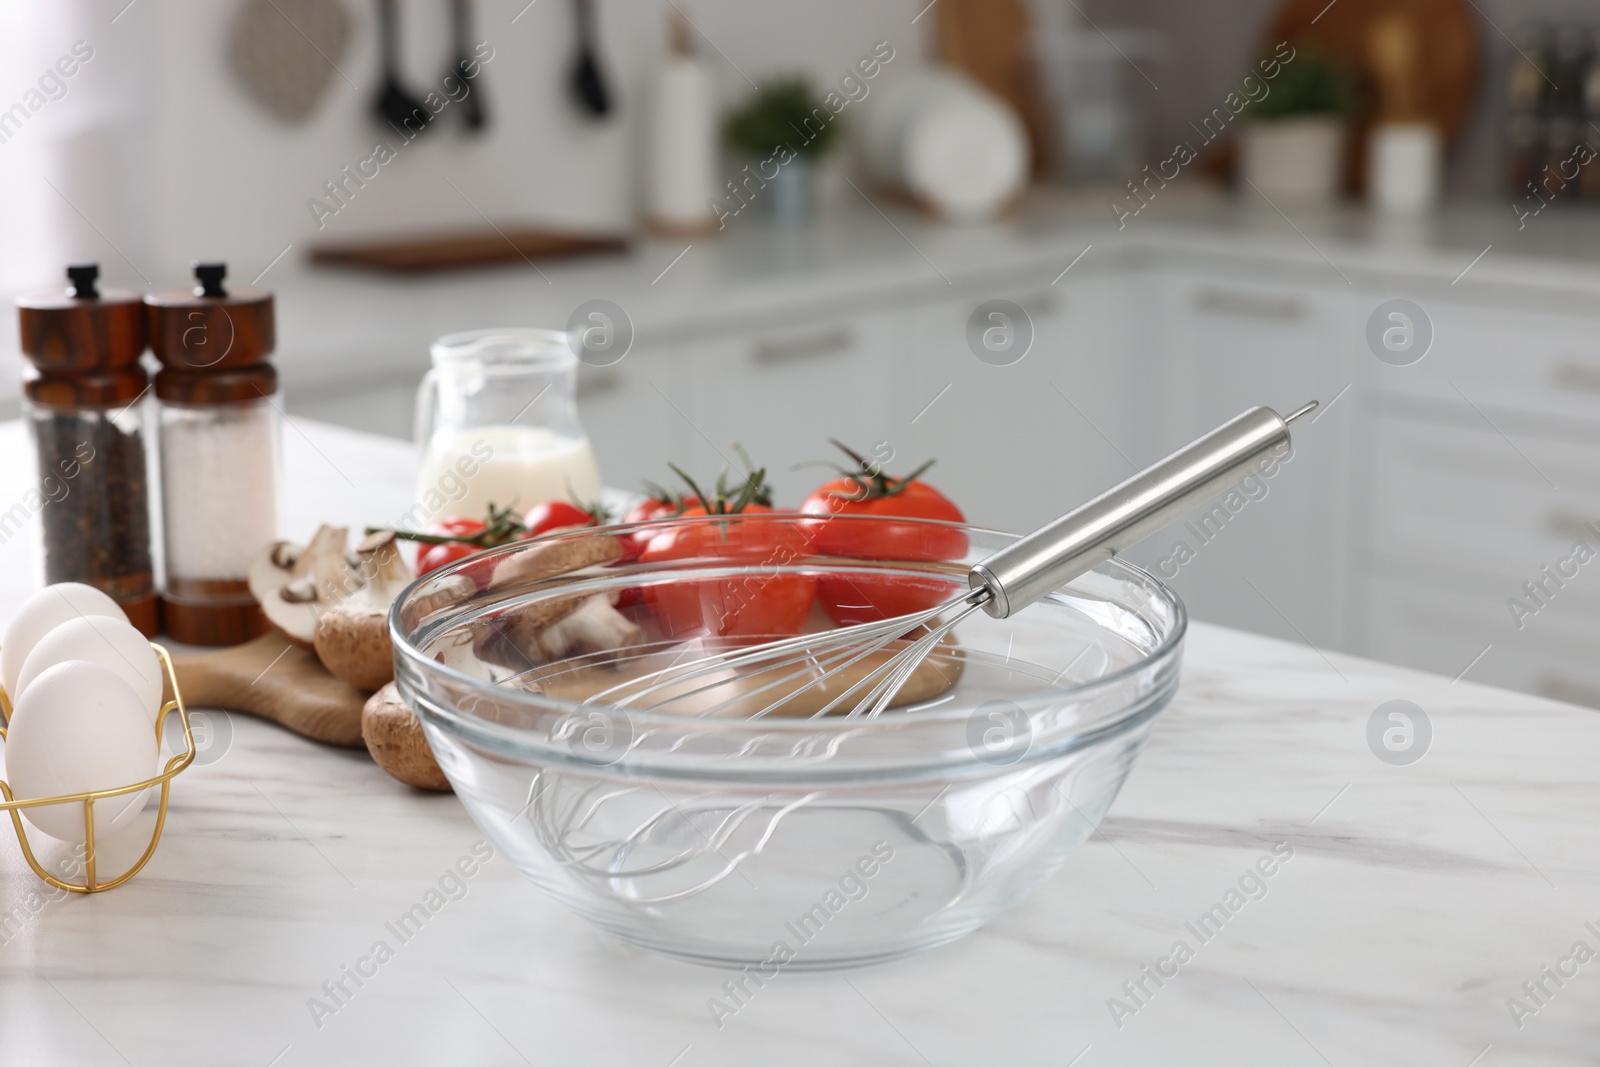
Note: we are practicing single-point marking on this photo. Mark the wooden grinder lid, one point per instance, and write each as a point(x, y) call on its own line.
point(229, 386)
point(82, 327)
point(211, 327)
point(95, 389)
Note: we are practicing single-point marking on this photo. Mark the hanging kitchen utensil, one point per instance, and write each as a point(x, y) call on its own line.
point(394, 105)
point(285, 52)
point(464, 67)
point(588, 83)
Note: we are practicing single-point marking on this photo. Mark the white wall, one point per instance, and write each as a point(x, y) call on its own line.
point(160, 157)
point(230, 180)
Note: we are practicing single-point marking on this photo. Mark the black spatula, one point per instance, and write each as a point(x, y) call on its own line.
point(472, 109)
point(394, 105)
point(588, 83)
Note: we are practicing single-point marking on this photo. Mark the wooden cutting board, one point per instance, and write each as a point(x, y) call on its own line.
point(455, 251)
point(989, 39)
point(274, 679)
point(1449, 59)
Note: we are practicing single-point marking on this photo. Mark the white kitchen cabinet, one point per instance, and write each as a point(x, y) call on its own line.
point(1273, 562)
point(1464, 625)
point(1018, 445)
point(639, 413)
point(782, 391)
point(1521, 366)
point(1484, 463)
point(778, 393)
point(1461, 496)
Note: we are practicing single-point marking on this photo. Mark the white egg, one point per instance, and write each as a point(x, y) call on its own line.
point(41, 613)
point(99, 639)
point(77, 728)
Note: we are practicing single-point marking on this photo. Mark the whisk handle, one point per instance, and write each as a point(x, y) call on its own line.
point(1027, 569)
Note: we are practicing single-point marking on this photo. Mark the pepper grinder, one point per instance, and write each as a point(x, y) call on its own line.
point(219, 445)
point(83, 389)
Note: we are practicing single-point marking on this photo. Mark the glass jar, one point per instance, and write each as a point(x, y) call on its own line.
point(497, 422)
point(94, 489)
point(83, 394)
point(219, 497)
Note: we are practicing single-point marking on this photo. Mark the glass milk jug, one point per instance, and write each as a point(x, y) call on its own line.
point(497, 420)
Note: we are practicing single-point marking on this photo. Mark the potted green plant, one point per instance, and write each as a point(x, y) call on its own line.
point(1292, 142)
point(778, 134)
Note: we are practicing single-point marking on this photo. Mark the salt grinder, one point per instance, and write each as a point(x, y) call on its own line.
point(83, 390)
point(219, 449)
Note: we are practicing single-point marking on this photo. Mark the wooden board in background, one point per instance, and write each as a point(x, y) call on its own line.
point(989, 40)
point(463, 249)
point(1450, 58)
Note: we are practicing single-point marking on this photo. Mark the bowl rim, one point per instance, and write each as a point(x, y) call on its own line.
point(1169, 646)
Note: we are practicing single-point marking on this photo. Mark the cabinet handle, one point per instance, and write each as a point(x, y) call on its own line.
point(1559, 687)
point(1565, 524)
point(1573, 374)
point(1264, 307)
point(809, 346)
point(598, 383)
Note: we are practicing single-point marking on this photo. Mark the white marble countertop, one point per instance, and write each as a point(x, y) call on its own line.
point(1417, 901)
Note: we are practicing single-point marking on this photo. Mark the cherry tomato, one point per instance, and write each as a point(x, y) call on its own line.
point(759, 605)
point(432, 557)
point(555, 514)
point(650, 508)
point(853, 598)
point(857, 598)
point(455, 526)
point(884, 540)
point(647, 510)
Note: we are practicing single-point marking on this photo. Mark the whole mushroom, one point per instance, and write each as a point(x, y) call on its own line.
point(394, 737)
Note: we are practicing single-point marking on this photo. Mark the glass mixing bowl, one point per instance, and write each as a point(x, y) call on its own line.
point(780, 840)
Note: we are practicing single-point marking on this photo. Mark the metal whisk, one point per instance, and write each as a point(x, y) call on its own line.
point(1002, 585)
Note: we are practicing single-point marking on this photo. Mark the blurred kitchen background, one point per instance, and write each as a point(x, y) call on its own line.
point(1340, 157)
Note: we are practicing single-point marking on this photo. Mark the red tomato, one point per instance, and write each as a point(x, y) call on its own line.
point(867, 597)
point(650, 508)
point(554, 515)
point(853, 598)
point(647, 510)
point(432, 557)
point(756, 606)
point(884, 540)
point(455, 526)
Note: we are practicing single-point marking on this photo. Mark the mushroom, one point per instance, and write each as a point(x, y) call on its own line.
point(595, 627)
point(553, 627)
point(294, 584)
point(352, 635)
point(395, 739)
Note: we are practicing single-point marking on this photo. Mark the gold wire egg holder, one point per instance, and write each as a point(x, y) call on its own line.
point(91, 882)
